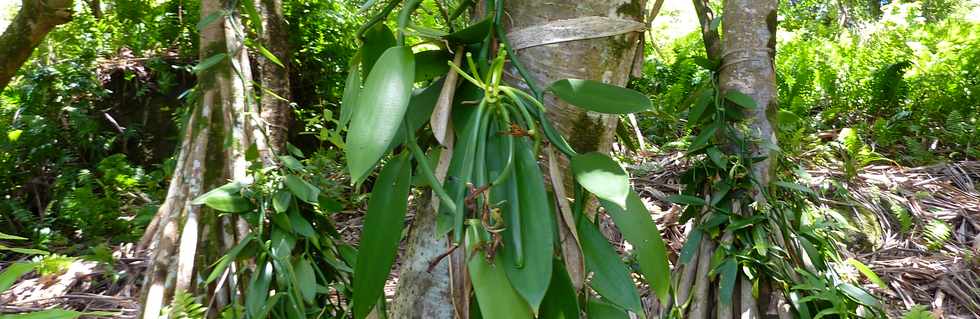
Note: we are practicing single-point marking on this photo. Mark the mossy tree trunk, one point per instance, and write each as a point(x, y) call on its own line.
point(34, 20)
point(274, 105)
point(422, 293)
point(184, 239)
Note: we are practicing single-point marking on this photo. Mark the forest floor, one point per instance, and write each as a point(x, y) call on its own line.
point(892, 213)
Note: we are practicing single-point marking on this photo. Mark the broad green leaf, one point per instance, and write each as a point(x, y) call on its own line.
point(381, 108)
point(420, 107)
point(209, 62)
point(561, 301)
point(258, 290)
point(703, 138)
point(294, 150)
point(729, 272)
point(741, 99)
point(701, 103)
point(281, 200)
point(301, 225)
point(352, 87)
point(306, 278)
point(600, 97)
point(602, 176)
point(473, 33)
point(610, 277)
point(59, 314)
point(640, 231)
point(26, 251)
point(303, 190)
point(603, 310)
point(377, 40)
point(12, 272)
point(686, 200)
point(537, 229)
point(690, 246)
point(292, 163)
point(271, 57)
point(431, 64)
point(381, 233)
point(226, 198)
point(718, 158)
point(227, 258)
point(494, 293)
point(10, 237)
point(867, 272)
point(859, 295)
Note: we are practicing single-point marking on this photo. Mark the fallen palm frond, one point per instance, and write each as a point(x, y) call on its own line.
point(917, 228)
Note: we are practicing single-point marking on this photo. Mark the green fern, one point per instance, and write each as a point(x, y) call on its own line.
point(936, 233)
point(901, 214)
point(184, 307)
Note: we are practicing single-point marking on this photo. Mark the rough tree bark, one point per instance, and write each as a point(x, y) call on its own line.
point(34, 20)
point(274, 104)
point(746, 53)
point(184, 238)
point(424, 294)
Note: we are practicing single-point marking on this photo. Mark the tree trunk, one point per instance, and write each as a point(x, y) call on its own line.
point(746, 53)
point(34, 20)
point(274, 103)
point(184, 239)
point(424, 294)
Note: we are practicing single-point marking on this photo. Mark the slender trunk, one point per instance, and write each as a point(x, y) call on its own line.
point(746, 53)
point(185, 238)
point(34, 20)
point(274, 105)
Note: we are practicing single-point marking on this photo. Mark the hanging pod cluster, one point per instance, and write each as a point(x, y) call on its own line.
point(493, 201)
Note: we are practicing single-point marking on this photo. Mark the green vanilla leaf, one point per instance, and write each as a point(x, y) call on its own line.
point(381, 233)
point(538, 232)
point(610, 277)
point(303, 190)
point(494, 293)
point(431, 64)
point(473, 33)
point(640, 231)
point(377, 40)
point(381, 107)
point(741, 99)
point(226, 198)
point(602, 176)
point(600, 97)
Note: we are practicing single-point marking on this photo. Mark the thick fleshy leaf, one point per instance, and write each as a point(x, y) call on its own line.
point(473, 33)
point(303, 190)
point(258, 290)
point(381, 108)
point(640, 231)
point(561, 301)
point(604, 310)
point(741, 99)
point(600, 97)
point(381, 233)
point(602, 176)
point(281, 200)
point(728, 271)
point(352, 88)
point(377, 40)
point(610, 277)
point(431, 64)
point(226, 198)
point(227, 258)
point(494, 293)
point(420, 107)
point(537, 229)
point(12, 272)
point(306, 278)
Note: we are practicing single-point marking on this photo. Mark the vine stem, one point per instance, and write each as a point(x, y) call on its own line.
point(427, 171)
